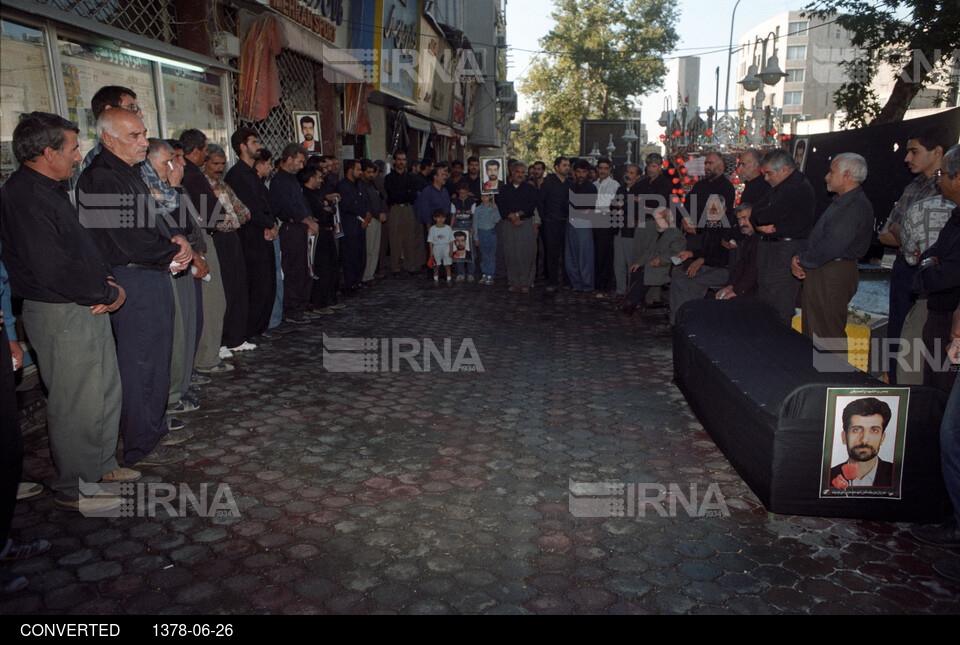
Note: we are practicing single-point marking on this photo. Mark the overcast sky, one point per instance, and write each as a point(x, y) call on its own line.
point(703, 27)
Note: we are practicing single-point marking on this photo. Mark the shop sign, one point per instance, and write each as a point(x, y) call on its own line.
point(398, 24)
point(322, 17)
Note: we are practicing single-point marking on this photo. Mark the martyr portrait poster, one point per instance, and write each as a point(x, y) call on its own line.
point(863, 442)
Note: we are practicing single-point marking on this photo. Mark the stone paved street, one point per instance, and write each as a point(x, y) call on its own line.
point(433, 492)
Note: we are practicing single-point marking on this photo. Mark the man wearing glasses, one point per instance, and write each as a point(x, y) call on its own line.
point(107, 97)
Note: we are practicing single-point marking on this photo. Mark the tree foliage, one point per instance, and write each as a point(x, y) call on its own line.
point(914, 46)
point(525, 139)
point(597, 57)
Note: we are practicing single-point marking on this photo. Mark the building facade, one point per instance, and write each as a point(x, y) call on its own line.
point(377, 75)
point(810, 51)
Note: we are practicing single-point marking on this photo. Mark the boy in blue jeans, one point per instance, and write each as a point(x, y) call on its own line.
point(485, 218)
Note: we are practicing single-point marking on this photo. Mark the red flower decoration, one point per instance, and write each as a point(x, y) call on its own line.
point(839, 482)
point(850, 471)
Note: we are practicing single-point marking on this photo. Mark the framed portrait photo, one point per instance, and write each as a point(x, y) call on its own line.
point(462, 245)
point(491, 174)
point(863, 442)
point(800, 153)
point(307, 127)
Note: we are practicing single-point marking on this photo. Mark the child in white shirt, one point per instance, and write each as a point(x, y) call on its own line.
point(440, 239)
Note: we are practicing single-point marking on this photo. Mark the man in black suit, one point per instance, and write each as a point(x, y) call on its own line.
point(864, 429)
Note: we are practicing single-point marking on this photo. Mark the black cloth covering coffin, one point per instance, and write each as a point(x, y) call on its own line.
point(753, 384)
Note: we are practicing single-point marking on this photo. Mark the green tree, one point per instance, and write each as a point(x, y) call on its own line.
point(914, 45)
point(597, 57)
point(525, 138)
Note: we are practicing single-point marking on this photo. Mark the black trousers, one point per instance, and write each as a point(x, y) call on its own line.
point(11, 439)
point(261, 265)
point(777, 284)
point(143, 328)
point(326, 269)
point(554, 233)
point(353, 251)
point(603, 278)
point(233, 273)
point(297, 282)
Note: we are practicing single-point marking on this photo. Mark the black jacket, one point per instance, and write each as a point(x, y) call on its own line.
point(941, 280)
point(790, 206)
point(251, 190)
point(555, 197)
point(48, 255)
point(122, 231)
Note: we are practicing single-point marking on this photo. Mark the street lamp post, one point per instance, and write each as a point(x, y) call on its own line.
point(726, 93)
point(771, 74)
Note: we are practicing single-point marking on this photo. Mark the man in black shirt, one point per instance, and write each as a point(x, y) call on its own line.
point(939, 278)
point(213, 292)
point(743, 275)
point(555, 199)
point(517, 201)
point(140, 257)
point(713, 188)
point(289, 206)
point(783, 218)
point(67, 288)
point(326, 262)
point(473, 176)
point(423, 175)
point(755, 187)
point(706, 267)
point(406, 239)
point(749, 169)
point(258, 233)
point(626, 204)
point(355, 216)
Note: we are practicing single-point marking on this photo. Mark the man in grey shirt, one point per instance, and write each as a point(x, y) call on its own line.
point(378, 208)
point(827, 261)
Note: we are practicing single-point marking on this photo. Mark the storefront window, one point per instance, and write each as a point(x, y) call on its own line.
point(194, 100)
point(87, 68)
point(24, 84)
point(189, 99)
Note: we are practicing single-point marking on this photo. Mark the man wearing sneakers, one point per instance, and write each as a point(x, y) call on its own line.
point(68, 292)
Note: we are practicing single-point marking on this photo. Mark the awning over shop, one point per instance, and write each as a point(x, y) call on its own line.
point(417, 123)
point(344, 67)
point(429, 127)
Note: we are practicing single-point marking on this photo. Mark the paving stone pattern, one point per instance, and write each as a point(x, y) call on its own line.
point(435, 493)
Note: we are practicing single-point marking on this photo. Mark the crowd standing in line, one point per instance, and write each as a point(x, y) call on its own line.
point(207, 261)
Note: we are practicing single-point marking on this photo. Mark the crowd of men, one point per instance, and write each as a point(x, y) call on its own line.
point(140, 281)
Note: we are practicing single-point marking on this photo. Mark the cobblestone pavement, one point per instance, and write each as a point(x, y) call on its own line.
point(433, 492)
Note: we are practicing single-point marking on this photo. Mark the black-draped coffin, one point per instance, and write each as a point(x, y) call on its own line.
point(754, 385)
